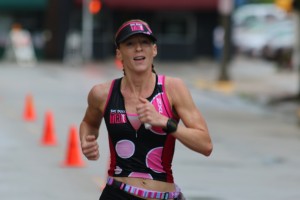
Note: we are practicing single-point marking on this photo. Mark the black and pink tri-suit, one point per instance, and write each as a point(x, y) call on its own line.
point(136, 151)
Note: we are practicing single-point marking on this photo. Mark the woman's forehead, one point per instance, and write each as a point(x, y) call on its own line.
point(138, 36)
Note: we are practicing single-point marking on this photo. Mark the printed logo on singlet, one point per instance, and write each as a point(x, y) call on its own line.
point(157, 102)
point(117, 117)
point(159, 105)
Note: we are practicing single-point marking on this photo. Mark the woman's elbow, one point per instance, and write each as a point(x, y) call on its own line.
point(208, 150)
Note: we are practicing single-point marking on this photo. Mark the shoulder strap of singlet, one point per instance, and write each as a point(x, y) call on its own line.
point(112, 85)
point(165, 100)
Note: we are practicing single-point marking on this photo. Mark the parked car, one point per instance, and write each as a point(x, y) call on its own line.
point(251, 40)
point(251, 13)
point(281, 43)
point(253, 27)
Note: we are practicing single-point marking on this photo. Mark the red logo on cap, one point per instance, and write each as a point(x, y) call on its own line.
point(136, 27)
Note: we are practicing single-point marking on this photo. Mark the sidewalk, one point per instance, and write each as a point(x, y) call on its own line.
point(261, 82)
point(253, 80)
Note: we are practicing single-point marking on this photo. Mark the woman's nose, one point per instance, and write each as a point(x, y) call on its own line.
point(138, 46)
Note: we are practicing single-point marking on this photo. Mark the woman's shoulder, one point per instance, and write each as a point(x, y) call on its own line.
point(99, 93)
point(101, 89)
point(172, 83)
point(174, 87)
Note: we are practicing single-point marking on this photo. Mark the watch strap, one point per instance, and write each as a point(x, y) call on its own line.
point(171, 126)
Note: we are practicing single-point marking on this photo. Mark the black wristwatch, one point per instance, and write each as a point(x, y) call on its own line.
point(171, 126)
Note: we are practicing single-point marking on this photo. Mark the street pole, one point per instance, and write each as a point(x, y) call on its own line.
point(87, 32)
point(297, 49)
point(225, 9)
point(296, 52)
point(225, 58)
point(296, 60)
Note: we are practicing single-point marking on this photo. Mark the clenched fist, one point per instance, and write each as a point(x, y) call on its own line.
point(90, 147)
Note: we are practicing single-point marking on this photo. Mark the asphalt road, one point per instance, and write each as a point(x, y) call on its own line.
point(256, 149)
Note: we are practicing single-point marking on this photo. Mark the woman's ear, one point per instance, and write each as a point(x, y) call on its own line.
point(154, 50)
point(118, 54)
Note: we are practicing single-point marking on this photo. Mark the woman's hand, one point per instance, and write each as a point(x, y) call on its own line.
point(90, 147)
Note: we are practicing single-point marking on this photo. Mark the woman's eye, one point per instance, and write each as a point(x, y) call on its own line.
point(146, 42)
point(129, 43)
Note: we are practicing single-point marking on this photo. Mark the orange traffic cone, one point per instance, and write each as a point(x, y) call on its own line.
point(29, 111)
point(49, 138)
point(73, 156)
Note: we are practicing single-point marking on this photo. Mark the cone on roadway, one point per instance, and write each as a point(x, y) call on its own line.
point(29, 110)
point(73, 155)
point(49, 136)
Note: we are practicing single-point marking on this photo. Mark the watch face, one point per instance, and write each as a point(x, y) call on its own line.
point(171, 125)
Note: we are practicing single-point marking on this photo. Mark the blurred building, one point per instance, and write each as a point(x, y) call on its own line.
point(184, 28)
point(28, 13)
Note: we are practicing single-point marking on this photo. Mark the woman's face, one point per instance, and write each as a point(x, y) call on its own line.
point(137, 53)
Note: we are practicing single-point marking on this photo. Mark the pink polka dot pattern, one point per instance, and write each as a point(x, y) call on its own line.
point(125, 148)
point(153, 160)
point(140, 175)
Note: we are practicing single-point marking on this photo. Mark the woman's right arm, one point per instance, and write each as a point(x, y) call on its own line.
point(89, 127)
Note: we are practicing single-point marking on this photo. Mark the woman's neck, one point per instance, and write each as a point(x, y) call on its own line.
point(139, 85)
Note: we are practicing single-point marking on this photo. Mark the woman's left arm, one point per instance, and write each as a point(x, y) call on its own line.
point(193, 133)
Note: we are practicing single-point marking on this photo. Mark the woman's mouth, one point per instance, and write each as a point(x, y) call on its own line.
point(139, 58)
